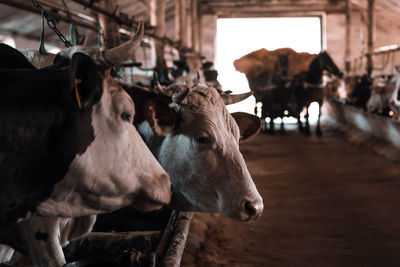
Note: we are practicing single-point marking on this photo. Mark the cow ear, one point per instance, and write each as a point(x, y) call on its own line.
point(249, 125)
point(161, 117)
point(85, 81)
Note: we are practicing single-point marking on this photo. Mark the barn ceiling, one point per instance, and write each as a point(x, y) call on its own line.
point(21, 18)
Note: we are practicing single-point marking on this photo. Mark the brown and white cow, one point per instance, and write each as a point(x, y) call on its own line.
point(90, 158)
point(193, 136)
point(196, 140)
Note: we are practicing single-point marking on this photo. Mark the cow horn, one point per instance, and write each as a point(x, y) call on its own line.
point(232, 99)
point(118, 55)
point(181, 97)
point(161, 89)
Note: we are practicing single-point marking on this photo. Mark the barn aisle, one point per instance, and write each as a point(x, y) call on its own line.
point(327, 203)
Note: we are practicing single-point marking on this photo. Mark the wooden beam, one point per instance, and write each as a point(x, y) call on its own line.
point(383, 13)
point(177, 241)
point(111, 246)
point(258, 9)
point(110, 27)
point(370, 23)
point(123, 19)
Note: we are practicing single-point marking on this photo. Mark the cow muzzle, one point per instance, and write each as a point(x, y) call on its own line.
point(251, 209)
point(155, 197)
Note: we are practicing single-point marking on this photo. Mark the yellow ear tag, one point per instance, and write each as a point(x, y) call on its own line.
point(78, 99)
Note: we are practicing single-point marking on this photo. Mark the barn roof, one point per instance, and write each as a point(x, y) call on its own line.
point(18, 22)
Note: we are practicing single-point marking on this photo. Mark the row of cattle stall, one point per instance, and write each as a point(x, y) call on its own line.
point(78, 143)
point(285, 83)
point(379, 95)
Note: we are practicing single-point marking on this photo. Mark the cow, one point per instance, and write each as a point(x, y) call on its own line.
point(379, 101)
point(196, 140)
point(70, 148)
point(395, 83)
point(211, 76)
point(209, 175)
point(384, 99)
point(358, 90)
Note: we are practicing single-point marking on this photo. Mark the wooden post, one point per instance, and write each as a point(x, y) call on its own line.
point(371, 23)
point(111, 37)
point(189, 6)
point(158, 20)
point(199, 27)
point(195, 26)
point(177, 20)
point(348, 36)
point(182, 23)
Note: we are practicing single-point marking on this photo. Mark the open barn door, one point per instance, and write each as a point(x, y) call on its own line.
point(240, 36)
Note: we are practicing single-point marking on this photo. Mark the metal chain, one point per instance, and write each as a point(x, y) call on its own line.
point(52, 24)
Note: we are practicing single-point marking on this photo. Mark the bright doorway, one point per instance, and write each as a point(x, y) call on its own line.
point(238, 37)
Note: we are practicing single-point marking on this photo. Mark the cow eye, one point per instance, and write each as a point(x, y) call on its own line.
point(126, 116)
point(202, 139)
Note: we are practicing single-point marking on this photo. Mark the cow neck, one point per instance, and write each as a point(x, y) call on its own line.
point(141, 98)
point(44, 141)
point(25, 87)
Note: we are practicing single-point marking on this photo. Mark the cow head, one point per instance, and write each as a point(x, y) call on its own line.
point(107, 164)
point(200, 152)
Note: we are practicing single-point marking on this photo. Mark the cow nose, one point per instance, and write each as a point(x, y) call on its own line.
point(253, 209)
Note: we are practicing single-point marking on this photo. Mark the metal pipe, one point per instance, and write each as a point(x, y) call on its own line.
point(30, 8)
point(124, 20)
point(119, 19)
point(387, 48)
point(91, 25)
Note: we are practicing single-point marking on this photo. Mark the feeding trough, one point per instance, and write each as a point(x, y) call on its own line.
point(155, 239)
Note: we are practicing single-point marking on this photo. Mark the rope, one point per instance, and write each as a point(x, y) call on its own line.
point(72, 34)
point(75, 36)
point(143, 45)
point(99, 31)
point(42, 49)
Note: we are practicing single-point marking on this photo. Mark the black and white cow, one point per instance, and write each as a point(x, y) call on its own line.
point(68, 146)
point(192, 135)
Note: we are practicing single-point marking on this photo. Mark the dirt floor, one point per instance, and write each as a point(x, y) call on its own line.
point(328, 202)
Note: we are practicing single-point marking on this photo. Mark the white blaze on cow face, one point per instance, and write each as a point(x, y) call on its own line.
point(116, 170)
point(202, 157)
